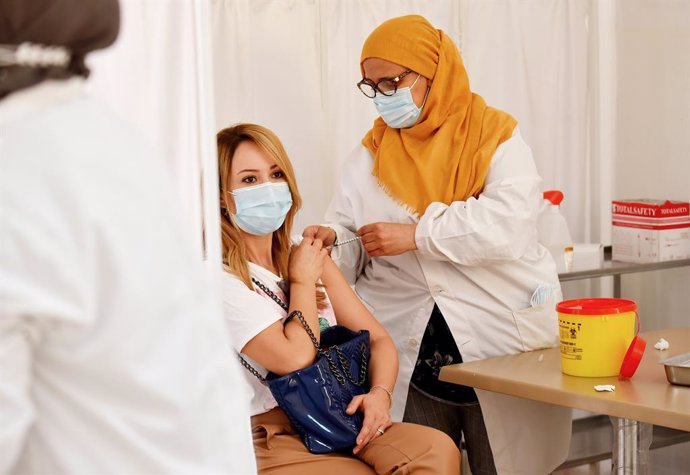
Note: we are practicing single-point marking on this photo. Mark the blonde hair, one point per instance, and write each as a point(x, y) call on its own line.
point(234, 253)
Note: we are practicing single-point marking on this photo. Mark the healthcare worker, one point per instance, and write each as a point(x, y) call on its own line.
point(444, 193)
point(113, 353)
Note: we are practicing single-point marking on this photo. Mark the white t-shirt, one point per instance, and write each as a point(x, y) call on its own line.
point(247, 314)
point(113, 352)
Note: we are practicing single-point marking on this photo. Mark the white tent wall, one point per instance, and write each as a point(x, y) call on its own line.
point(530, 59)
point(653, 135)
point(267, 71)
point(149, 77)
point(292, 65)
point(158, 76)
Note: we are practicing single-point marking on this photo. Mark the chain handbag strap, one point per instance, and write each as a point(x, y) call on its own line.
point(251, 369)
point(283, 305)
point(312, 337)
point(345, 364)
point(271, 294)
point(295, 313)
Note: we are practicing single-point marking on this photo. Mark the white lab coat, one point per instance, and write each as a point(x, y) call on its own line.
point(480, 262)
point(113, 353)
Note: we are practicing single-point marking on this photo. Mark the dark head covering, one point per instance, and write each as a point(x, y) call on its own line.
point(81, 26)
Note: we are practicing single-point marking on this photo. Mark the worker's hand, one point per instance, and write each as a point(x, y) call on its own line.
point(388, 239)
point(306, 261)
point(376, 408)
point(324, 233)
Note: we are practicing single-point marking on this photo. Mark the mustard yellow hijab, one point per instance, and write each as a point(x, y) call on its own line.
point(445, 156)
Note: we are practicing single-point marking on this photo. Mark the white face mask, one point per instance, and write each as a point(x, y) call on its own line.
point(399, 111)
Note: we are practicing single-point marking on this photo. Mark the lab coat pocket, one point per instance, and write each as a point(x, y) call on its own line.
point(538, 325)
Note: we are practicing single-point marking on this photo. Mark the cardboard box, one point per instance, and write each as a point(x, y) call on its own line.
point(650, 230)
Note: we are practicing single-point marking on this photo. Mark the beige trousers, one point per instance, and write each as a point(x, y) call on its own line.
point(404, 448)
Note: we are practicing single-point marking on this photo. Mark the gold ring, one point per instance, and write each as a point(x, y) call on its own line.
point(380, 431)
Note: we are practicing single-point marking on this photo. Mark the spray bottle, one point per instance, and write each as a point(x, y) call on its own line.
point(553, 230)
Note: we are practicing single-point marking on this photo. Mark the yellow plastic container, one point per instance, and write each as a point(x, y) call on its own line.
point(595, 335)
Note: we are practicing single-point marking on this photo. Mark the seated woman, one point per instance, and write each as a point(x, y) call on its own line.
point(266, 279)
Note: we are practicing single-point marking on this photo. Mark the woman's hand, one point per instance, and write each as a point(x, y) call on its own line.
point(388, 239)
point(324, 233)
point(376, 408)
point(306, 261)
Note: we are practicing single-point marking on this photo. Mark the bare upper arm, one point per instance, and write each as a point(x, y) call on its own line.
point(272, 350)
point(348, 308)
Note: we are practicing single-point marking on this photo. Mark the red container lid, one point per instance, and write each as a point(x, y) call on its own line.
point(596, 306)
point(632, 357)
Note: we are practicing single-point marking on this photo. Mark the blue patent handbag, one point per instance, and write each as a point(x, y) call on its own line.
point(315, 398)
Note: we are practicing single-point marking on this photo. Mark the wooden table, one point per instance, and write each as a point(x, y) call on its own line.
point(646, 398)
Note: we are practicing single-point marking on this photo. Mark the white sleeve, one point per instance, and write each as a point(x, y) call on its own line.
point(41, 283)
point(246, 313)
point(340, 215)
point(498, 226)
point(16, 409)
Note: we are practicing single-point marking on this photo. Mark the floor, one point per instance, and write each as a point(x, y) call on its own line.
point(669, 455)
point(671, 460)
point(593, 435)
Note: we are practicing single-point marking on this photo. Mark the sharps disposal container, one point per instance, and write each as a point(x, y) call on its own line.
point(597, 335)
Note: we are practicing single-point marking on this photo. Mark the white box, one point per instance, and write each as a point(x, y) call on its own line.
point(587, 256)
point(650, 230)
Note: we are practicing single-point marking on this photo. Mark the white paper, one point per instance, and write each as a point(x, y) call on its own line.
point(605, 387)
point(661, 345)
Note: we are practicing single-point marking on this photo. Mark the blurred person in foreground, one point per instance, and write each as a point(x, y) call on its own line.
point(113, 354)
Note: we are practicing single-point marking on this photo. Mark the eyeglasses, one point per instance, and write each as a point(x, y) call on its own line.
point(386, 86)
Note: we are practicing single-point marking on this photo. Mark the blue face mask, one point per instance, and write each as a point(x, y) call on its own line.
point(261, 209)
point(399, 110)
